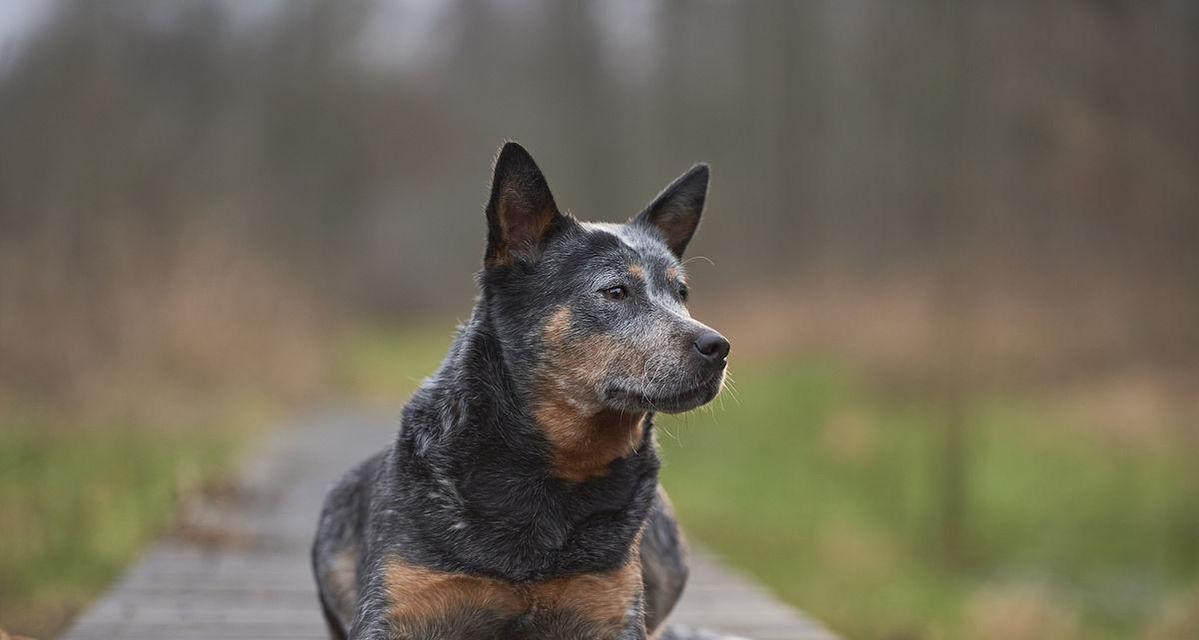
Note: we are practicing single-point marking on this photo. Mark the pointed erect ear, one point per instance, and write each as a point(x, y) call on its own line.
point(521, 211)
point(675, 213)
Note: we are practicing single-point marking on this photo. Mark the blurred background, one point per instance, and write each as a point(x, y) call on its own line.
point(955, 246)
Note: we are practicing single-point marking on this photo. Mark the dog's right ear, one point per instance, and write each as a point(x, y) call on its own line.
point(521, 211)
point(675, 213)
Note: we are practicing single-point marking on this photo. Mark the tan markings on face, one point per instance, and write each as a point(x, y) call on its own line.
point(637, 271)
point(558, 327)
point(672, 273)
point(418, 594)
point(585, 436)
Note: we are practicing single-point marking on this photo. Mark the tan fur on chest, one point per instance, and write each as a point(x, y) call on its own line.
point(421, 598)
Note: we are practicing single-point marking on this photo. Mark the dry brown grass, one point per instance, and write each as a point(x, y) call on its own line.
point(1178, 619)
point(1020, 613)
point(4, 635)
point(1117, 358)
point(904, 320)
point(99, 327)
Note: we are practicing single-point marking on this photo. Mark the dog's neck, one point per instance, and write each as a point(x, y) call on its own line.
point(584, 443)
point(471, 427)
point(479, 381)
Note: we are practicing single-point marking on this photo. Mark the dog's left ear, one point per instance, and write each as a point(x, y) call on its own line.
point(675, 213)
point(521, 211)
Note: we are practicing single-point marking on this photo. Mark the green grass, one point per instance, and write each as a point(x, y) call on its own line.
point(79, 502)
point(834, 497)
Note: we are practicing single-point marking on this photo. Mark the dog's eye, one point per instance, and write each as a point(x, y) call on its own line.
point(684, 292)
point(616, 293)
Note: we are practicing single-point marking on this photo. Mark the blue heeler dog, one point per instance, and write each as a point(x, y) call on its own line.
point(520, 498)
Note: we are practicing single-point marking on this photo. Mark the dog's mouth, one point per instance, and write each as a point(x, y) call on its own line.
point(637, 398)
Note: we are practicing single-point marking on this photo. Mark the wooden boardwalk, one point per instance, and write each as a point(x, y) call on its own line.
point(239, 570)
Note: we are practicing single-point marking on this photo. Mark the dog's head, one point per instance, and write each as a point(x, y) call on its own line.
point(595, 314)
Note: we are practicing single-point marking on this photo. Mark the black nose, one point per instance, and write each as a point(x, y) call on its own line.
point(712, 346)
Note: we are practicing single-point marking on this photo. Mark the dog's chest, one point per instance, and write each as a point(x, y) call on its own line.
point(426, 603)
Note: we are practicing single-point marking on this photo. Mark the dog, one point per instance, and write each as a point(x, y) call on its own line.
point(520, 498)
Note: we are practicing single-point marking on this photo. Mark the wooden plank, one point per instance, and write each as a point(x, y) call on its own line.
point(257, 584)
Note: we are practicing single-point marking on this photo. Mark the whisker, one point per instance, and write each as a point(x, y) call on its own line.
point(663, 428)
